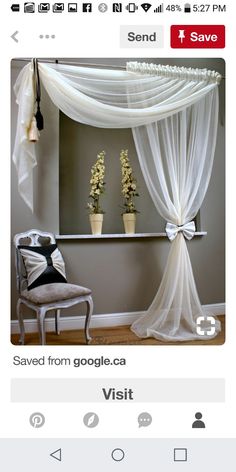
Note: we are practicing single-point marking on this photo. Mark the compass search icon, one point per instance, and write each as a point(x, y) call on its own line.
point(91, 420)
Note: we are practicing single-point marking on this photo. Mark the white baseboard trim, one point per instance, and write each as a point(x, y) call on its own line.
point(98, 321)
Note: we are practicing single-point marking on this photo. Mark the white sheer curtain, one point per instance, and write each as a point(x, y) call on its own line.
point(176, 156)
point(173, 113)
point(24, 154)
point(100, 98)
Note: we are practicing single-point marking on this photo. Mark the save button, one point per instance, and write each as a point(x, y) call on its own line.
point(197, 36)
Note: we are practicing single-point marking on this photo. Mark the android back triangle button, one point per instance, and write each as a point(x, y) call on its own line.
point(57, 455)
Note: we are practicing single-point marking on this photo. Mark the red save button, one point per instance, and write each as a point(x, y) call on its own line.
point(197, 36)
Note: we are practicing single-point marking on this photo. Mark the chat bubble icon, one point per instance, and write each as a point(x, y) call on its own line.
point(144, 419)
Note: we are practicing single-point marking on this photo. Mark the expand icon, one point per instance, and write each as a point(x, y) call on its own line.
point(206, 325)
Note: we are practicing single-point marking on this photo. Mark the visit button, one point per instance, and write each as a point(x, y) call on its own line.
point(197, 36)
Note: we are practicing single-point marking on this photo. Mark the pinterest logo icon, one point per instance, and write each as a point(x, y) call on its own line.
point(37, 420)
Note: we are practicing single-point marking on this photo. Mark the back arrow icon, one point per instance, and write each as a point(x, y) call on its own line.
point(13, 36)
point(57, 455)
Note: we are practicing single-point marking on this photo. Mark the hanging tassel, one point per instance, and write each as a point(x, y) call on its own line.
point(33, 132)
point(39, 118)
point(38, 114)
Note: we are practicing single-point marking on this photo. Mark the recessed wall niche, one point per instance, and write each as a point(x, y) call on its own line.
point(79, 146)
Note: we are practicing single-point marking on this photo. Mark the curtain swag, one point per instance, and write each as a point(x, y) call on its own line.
point(173, 113)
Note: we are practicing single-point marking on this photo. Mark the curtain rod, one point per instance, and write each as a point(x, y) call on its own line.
point(83, 64)
point(70, 63)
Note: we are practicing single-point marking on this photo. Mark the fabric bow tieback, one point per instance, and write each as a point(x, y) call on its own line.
point(188, 230)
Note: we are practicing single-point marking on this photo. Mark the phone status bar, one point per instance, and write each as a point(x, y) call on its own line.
point(131, 7)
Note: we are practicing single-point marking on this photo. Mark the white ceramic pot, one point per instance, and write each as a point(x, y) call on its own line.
point(129, 222)
point(96, 223)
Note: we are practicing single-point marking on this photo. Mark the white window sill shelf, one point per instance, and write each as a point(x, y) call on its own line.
point(118, 236)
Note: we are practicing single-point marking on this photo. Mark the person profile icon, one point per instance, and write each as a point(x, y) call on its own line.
point(198, 423)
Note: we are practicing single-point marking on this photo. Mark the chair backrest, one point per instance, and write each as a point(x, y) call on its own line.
point(33, 237)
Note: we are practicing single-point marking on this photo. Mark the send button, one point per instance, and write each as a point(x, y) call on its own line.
point(141, 36)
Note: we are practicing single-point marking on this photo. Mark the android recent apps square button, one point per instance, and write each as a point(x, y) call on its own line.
point(141, 36)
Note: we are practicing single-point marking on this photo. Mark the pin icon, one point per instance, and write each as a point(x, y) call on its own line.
point(181, 35)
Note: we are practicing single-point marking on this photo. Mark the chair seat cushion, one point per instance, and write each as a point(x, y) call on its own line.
point(55, 292)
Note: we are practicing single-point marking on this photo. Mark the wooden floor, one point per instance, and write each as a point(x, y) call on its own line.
point(113, 336)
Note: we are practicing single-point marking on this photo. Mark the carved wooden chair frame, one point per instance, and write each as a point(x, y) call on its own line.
point(34, 237)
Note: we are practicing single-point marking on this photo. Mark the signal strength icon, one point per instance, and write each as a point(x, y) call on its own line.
point(159, 9)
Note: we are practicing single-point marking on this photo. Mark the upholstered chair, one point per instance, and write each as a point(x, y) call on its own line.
point(42, 284)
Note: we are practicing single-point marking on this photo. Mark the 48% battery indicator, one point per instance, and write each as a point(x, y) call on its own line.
point(177, 8)
point(174, 8)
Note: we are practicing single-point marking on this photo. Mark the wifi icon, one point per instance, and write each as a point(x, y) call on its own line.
point(146, 6)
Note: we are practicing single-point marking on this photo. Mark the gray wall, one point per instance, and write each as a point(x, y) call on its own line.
point(124, 275)
point(79, 145)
